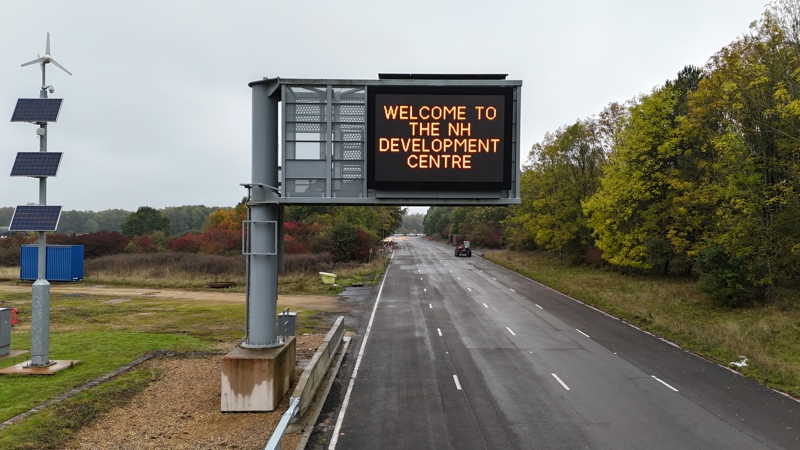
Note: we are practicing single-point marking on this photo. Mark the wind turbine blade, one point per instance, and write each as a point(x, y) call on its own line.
point(33, 62)
point(59, 66)
point(47, 50)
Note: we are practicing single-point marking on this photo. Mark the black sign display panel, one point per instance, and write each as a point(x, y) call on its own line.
point(451, 138)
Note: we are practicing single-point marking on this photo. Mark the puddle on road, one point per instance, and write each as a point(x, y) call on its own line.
point(356, 297)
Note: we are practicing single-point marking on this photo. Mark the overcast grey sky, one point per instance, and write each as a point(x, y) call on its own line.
point(158, 110)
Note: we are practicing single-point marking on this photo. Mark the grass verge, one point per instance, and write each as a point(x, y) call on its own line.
point(105, 333)
point(51, 427)
point(769, 336)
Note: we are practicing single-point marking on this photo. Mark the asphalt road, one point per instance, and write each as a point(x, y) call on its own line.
point(460, 353)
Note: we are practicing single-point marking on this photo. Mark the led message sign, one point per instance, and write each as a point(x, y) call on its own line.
point(439, 138)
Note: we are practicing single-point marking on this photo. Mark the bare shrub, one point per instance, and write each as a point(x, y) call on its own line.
point(307, 263)
point(166, 265)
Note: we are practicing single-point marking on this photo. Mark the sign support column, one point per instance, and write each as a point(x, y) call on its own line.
point(263, 264)
point(257, 374)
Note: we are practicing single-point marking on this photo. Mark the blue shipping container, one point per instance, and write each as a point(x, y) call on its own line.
point(64, 262)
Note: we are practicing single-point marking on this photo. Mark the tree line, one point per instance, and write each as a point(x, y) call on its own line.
point(182, 219)
point(700, 175)
point(338, 233)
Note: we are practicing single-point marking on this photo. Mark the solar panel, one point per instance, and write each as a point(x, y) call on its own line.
point(35, 218)
point(36, 164)
point(37, 110)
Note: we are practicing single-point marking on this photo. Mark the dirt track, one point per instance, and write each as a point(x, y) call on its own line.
point(318, 302)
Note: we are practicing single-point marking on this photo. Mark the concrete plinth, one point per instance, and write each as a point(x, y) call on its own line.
point(25, 368)
point(256, 379)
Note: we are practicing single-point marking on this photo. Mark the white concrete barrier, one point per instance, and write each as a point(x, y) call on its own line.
point(318, 366)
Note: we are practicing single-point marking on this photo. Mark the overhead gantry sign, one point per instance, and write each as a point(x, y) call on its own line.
point(399, 140)
point(440, 138)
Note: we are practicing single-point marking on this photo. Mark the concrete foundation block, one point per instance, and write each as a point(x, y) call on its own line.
point(256, 379)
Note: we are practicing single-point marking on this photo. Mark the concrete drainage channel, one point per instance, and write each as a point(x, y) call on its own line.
point(303, 409)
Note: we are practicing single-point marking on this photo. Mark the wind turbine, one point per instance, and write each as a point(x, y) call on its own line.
point(43, 60)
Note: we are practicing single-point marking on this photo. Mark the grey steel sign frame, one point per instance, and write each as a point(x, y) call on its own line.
point(323, 154)
point(323, 142)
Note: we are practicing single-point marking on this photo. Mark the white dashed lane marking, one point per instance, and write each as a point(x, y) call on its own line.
point(559, 380)
point(665, 384)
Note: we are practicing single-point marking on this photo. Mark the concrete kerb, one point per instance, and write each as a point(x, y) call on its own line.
point(317, 368)
point(307, 421)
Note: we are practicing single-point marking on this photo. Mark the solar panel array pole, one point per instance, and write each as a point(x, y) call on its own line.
point(263, 268)
point(40, 296)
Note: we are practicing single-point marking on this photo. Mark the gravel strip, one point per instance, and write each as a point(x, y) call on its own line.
point(80, 388)
point(181, 411)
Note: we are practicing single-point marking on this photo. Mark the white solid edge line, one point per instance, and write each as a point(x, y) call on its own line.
point(346, 401)
point(511, 331)
point(458, 385)
point(581, 332)
point(439, 330)
point(665, 384)
point(559, 380)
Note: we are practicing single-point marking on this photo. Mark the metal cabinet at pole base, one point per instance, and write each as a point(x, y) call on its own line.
point(5, 331)
point(64, 263)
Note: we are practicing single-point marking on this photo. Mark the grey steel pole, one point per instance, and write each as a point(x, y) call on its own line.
point(263, 269)
point(40, 292)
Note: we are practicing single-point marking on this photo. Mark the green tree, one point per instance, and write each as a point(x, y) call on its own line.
point(637, 216)
point(752, 98)
point(412, 223)
point(437, 221)
point(145, 221)
point(563, 170)
point(111, 219)
point(183, 219)
point(72, 222)
point(91, 226)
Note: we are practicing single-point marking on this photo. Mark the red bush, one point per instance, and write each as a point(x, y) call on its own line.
point(95, 245)
point(188, 243)
point(292, 246)
point(220, 241)
point(364, 243)
point(143, 244)
point(9, 248)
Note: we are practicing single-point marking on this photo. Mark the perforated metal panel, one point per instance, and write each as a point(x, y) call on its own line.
point(324, 139)
point(325, 124)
